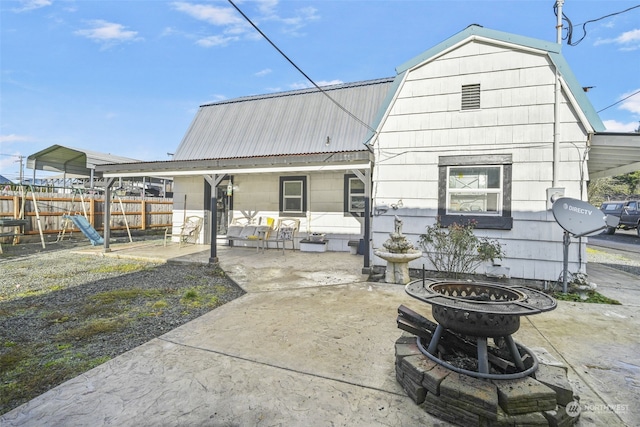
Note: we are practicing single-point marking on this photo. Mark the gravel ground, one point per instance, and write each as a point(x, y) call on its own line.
point(76, 311)
point(624, 260)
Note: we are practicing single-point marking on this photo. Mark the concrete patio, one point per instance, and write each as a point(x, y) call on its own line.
point(312, 343)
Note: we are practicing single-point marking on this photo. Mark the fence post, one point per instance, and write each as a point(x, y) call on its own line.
point(143, 214)
point(92, 211)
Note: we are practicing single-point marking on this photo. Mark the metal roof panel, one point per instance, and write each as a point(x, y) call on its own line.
point(286, 123)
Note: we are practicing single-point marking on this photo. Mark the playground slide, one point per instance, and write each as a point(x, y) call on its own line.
point(86, 228)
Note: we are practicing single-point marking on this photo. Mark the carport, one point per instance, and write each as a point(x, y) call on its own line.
point(81, 164)
point(612, 154)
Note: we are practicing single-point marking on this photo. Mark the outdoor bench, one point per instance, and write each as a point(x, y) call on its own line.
point(285, 230)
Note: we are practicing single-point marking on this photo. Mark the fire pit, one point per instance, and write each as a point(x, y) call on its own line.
point(480, 310)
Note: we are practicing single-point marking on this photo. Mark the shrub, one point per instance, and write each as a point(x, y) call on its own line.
point(456, 250)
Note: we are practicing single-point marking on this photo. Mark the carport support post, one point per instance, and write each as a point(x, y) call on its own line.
point(107, 214)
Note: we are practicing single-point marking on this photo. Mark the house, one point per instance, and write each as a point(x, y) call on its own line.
point(293, 154)
point(486, 125)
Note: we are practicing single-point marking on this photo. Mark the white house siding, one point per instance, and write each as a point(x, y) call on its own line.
point(516, 117)
point(258, 195)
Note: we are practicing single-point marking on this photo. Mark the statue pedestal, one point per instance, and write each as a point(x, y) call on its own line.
point(398, 265)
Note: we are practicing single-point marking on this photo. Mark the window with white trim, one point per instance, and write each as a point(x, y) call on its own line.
point(293, 195)
point(355, 194)
point(474, 190)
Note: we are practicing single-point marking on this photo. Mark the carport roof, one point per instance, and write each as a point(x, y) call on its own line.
point(59, 158)
point(612, 154)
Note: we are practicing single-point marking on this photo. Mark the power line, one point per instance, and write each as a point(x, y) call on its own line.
point(353, 116)
point(569, 36)
point(618, 102)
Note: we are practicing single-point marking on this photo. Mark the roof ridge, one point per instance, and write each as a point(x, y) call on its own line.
point(301, 91)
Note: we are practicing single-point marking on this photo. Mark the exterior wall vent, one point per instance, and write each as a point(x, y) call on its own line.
point(470, 97)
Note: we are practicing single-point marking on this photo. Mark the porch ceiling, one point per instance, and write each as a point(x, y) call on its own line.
point(613, 154)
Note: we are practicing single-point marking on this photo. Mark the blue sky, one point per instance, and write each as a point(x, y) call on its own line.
point(127, 77)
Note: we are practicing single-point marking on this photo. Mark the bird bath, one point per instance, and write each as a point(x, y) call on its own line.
point(399, 252)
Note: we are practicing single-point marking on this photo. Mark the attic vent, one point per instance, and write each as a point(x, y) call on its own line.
point(471, 97)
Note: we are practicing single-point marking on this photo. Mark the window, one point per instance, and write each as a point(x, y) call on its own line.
point(475, 188)
point(353, 195)
point(293, 195)
point(470, 97)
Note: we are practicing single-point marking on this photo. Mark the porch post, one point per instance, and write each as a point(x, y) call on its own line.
point(213, 257)
point(367, 234)
point(213, 181)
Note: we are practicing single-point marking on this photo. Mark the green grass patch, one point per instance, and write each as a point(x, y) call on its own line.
point(91, 328)
point(198, 297)
point(159, 305)
point(121, 295)
point(123, 268)
point(28, 370)
point(592, 297)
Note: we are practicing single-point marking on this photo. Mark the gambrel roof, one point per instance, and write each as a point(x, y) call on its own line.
point(591, 120)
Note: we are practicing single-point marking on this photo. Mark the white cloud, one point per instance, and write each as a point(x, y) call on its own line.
point(320, 83)
point(28, 5)
point(107, 33)
point(629, 40)
point(267, 7)
point(616, 126)
point(329, 82)
point(9, 139)
point(631, 104)
point(629, 36)
point(263, 72)
point(218, 97)
point(231, 23)
point(215, 41)
point(219, 16)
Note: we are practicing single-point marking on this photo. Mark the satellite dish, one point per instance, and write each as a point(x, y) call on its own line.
point(577, 217)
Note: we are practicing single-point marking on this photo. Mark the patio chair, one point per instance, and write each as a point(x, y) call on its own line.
point(287, 230)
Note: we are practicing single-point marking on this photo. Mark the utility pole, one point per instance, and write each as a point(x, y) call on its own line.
point(557, 94)
point(20, 159)
point(559, 4)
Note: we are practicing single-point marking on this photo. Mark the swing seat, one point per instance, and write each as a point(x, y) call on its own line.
point(189, 232)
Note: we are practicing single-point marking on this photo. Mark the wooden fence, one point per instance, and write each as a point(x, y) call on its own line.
point(136, 212)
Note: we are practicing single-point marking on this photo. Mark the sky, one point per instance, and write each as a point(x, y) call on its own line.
point(127, 77)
